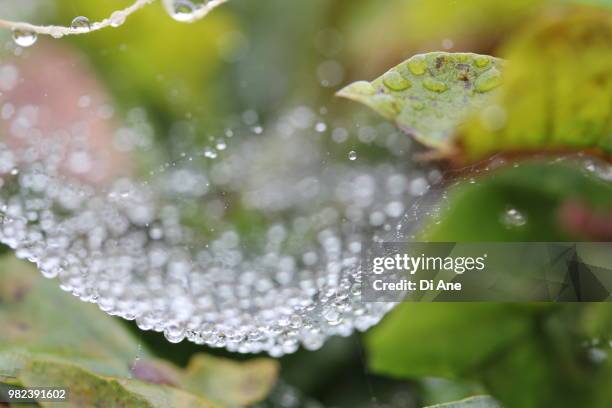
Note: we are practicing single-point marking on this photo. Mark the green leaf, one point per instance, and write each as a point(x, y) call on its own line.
point(230, 382)
point(433, 339)
point(50, 338)
point(538, 191)
point(557, 89)
point(87, 389)
point(472, 402)
point(436, 390)
point(36, 316)
point(539, 346)
point(598, 321)
point(428, 95)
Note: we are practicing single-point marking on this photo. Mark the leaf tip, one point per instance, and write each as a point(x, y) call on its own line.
point(357, 90)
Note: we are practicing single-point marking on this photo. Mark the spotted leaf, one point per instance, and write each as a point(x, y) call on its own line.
point(428, 95)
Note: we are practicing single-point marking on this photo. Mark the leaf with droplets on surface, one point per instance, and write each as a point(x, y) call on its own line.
point(99, 360)
point(480, 401)
point(557, 92)
point(428, 95)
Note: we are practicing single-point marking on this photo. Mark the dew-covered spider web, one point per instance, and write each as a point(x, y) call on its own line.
point(290, 278)
point(250, 240)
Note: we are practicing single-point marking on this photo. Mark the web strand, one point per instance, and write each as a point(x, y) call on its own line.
point(116, 19)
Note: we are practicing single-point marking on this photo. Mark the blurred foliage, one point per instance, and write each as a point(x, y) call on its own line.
point(429, 95)
point(537, 190)
point(380, 34)
point(536, 349)
point(155, 62)
point(525, 355)
point(557, 89)
point(51, 338)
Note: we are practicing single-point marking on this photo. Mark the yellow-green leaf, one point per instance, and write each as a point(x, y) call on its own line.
point(429, 95)
point(229, 382)
point(557, 92)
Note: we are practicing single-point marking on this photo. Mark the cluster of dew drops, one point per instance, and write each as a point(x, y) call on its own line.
point(129, 247)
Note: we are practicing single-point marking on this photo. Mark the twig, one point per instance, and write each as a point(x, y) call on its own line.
point(116, 18)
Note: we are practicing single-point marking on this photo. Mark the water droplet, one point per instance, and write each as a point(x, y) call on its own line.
point(488, 80)
point(174, 334)
point(81, 23)
point(386, 104)
point(512, 218)
point(332, 315)
point(117, 18)
point(481, 61)
point(434, 85)
point(221, 145)
point(210, 153)
point(24, 38)
point(320, 127)
point(352, 155)
point(361, 88)
point(597, 355)
point(394, 81)
point(417, 65)
point(182, 10)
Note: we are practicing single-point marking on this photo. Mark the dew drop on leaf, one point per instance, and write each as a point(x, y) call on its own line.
point(417, 65)
point(434, 85)
point(512, 218)
point(394, 81)
point(489, 80)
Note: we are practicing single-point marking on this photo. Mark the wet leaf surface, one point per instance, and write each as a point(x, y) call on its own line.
point(429, 95)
